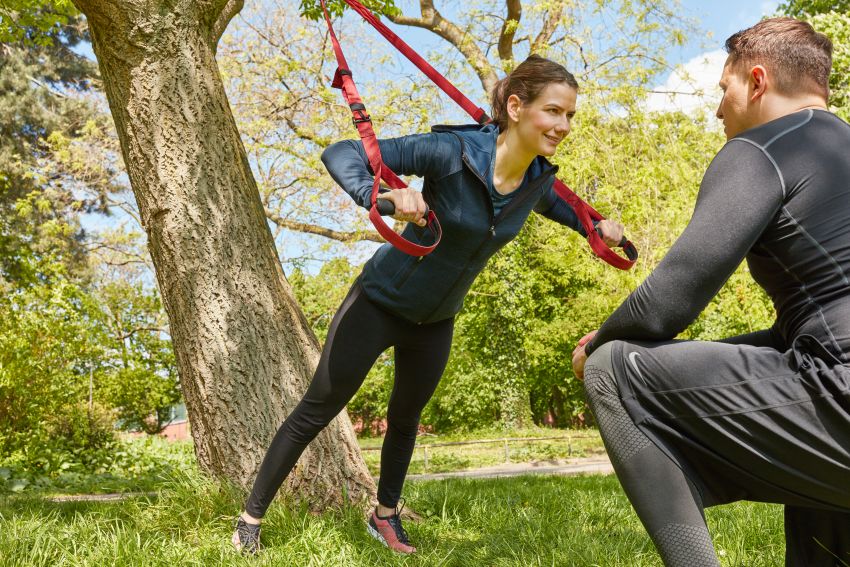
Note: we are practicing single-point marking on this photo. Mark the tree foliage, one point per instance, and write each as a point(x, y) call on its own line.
point(82, 338)
point(804, 8)
point(34, 21)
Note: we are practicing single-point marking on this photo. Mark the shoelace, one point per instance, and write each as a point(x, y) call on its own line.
point(395, 522)
point(249, 536)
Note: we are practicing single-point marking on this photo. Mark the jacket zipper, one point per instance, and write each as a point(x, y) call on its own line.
point(493, 218)
point(409, 271)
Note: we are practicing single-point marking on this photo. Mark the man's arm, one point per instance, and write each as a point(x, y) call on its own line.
point(763, 338)
point(739, 195)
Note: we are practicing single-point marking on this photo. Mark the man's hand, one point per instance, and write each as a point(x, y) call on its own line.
point(612, 232)
point(579, 356)
point(409, 205)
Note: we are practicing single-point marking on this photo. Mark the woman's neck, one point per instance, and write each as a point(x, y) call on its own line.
point(511, 163)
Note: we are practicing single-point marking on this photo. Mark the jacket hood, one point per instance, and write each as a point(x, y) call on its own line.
point(479, 148)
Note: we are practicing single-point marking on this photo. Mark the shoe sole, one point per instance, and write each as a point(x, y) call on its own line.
point(377, 535)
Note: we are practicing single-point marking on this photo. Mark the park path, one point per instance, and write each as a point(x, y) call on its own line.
point(598, 464)
point(587, 465)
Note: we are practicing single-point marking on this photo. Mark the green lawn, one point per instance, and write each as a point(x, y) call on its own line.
point(522, 521)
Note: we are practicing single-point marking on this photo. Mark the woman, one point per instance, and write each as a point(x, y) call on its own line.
point(482, 182)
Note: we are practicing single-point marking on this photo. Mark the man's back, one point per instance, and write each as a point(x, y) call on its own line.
point(802, 258)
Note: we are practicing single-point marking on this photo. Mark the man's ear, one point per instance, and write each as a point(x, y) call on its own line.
point(758, 82)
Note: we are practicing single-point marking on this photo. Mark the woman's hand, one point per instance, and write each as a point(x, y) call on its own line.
point(612, 232)
point(579, 356)
point(409, 205)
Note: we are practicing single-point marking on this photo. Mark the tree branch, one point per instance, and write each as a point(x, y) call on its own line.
point(309, 135)
point(228, 12)
point(433, 21)
point(99, 11)
point(338, 235)
point(550, 25)
point(506, 37)
point(131, 332)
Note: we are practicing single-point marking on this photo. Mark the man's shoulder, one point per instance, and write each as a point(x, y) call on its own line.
point(784, 127)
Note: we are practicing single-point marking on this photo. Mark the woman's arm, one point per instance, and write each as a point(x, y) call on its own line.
point(554, 208)
point(423, 155)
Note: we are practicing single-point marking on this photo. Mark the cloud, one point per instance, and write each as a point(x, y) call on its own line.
point(692, 87)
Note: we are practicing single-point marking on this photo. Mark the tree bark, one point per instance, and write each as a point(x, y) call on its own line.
point(244, 350)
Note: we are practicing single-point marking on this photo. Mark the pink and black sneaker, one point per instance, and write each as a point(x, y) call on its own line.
point(390, 532)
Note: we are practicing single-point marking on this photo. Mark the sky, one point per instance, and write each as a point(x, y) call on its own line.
point(701, 60)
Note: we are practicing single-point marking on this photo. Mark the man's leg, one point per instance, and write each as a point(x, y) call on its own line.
point(816, 538)
point(743, 422)
point(672, 515)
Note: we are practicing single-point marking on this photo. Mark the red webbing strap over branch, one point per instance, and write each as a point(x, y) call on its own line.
point(586, 214)
point(363, 122)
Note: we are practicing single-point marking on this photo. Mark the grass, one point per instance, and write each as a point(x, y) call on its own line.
point(520, 521)
point(523, 521)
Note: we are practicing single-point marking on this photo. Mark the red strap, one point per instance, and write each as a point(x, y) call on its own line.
point(363, 122)
point(586, 214)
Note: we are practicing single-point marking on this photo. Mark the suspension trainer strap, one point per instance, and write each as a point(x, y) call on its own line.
point(363, 122)
point(586, 214)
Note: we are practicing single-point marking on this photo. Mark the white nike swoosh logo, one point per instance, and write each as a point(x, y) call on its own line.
point(633, 359)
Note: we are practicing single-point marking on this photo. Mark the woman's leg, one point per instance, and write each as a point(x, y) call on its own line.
point(667, 503)
point(359, 333)
point(421, 355)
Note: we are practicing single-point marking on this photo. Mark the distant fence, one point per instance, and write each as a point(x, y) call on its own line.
point(505, 441)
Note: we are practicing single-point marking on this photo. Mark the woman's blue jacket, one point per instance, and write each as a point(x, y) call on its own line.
point(456, 163)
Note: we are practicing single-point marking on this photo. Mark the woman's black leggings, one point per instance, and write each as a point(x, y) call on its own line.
point(359, 333)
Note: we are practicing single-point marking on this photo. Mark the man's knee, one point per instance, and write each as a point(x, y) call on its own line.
point(602, 358)
point(599, 375)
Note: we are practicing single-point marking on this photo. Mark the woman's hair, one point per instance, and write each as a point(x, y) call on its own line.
point(798, 57)
point(527, 81)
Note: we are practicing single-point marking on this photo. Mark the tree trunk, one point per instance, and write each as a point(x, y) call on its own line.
point(244, 350)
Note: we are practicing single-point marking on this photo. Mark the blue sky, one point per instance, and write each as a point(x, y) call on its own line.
point(701, 60)
point(722, 18)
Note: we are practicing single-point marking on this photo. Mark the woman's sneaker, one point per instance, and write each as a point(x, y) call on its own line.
point(390, 532)
point(246, 538)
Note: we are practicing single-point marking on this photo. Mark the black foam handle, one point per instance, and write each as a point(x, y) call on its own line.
point(387, 208)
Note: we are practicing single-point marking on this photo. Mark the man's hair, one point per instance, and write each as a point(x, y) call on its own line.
point(796, 56)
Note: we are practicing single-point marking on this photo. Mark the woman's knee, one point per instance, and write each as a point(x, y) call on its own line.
point(405, 425)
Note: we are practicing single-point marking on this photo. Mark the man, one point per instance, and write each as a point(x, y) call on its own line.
point(763, 416)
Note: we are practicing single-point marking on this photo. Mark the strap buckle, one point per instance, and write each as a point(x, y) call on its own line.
point(360, 115)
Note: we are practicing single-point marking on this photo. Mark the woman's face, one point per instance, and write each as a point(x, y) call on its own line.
point(544, 122)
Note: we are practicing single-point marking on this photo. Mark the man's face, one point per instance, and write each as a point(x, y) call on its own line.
point(734, 109)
